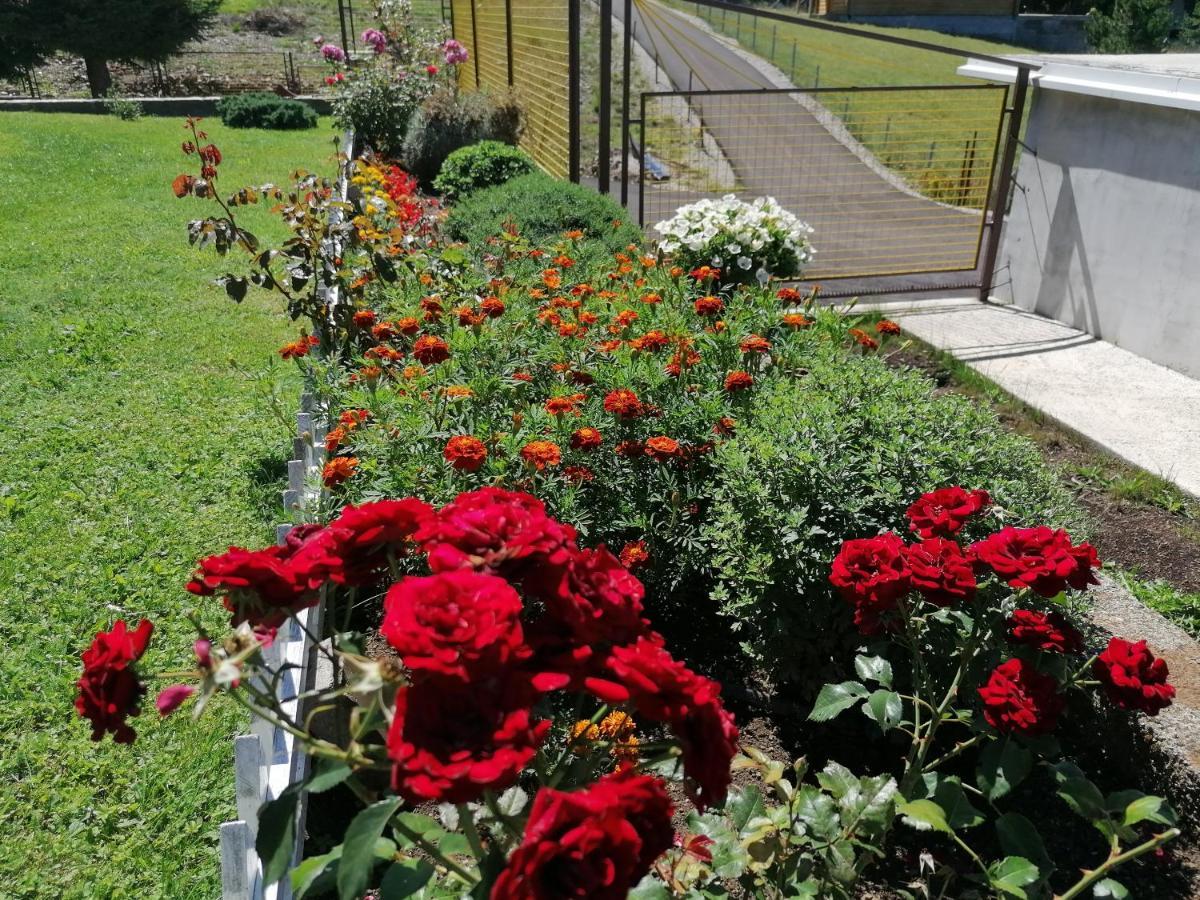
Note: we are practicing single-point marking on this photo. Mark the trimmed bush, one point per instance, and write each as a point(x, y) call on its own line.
point(449, 121)
point(481, 165)
point(542, 208)
point(264, 110)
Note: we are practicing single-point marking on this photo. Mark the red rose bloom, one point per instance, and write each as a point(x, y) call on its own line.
point(465, 453)
point(1133, 677)
point(871, 574)
point(940, 571)
point(356, 545)
point(586, 439)
point(109, 689)
point(429, 349)
point(622, 403)
point(596, 598)
point(665, 690)
point(662, 448)
point(453, 621)
point(595, 843)
point(1050, 632)
point(943, 512)
point(258, 586)
point(1017, 698)
point(451, 740)
point(738, 381)
point(1039, 559)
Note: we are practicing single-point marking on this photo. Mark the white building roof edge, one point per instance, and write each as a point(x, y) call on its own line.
point(1153, 89)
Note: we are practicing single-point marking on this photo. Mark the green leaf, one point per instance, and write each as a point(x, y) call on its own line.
point(276, 839)
point(924, 815)
point(305, 875)
point(1148, 809)
point(454, 844)
point(1110, 888)
point(1011, 875)
point(1019, 837)
point(947, 792)
point(358, 854)
point(743, 805)
point(1002, 766)
point(835, 699)
point(818, 813)
point(405, 878)
point(649, 888)
point(327, 774)
point(874, 668)
point(885, 708)
point(1079, 793)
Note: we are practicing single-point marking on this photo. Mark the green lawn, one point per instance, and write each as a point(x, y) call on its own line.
point(138, 439)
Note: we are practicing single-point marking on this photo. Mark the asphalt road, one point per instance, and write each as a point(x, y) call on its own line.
point(864, 224)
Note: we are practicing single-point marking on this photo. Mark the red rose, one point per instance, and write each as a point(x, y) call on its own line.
point(943, 512)
point(871, 574)
point(465, 452)
point(1050, 632)
point(1133, 677)
point(595, 843)
point(451, 740)
point(1017, 698)
point(665, 690)
point(1039, 559)
point(596, 598)
point(940, 571)
point(452, 621)
point(358, 542)
point(491, 529)
point(257, 586)
point(109, 689)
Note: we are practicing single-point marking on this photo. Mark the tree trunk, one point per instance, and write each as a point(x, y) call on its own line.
point(99, 79)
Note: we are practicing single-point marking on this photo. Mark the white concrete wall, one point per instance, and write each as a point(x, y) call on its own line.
point(1105, 223)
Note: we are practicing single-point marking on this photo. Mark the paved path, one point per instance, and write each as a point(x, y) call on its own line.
point(864, 223)
point(1144, 413)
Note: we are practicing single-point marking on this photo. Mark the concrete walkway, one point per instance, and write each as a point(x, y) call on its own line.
point(1140, 411)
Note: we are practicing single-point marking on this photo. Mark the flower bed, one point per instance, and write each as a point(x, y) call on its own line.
point(514, 734)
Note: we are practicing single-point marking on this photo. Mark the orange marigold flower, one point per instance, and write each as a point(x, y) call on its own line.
point(608, 346)
point(568, 403)
point(625, 751)
point(492, 307)
point(863, 339)
point(587, 317)
point(887, 326)
point(430, 349)
point(617, 726)
point(586, 439)
point(795, 320)
point(384, 331)
point(522, 376)
point(630, 449)
point(459, 392)
point(432, 307)
point(738, 381)
point(338, 470)
point(573, 235)
point(634, 554)
point(649, 262)
point(563, 261)
point(413, 371)
point(541, 454)
point(651, 299)
point(705, 273)
point(676, 271)
point(650, 342)
point(625, 318)
point(579, 474)
point(788, 295)
point(754, 343)
point(662, 448)
point(623, 403)
point(465, 452)
point(408, 325)
point(583, 732)
point(551, 278)
point(725, 426)
point(709, 306)
point(370, 373)
point(570, 329)
point(297, 349)
point(717, 327)
point(352, 418)
point(334, 438)
point(426, 279)
point(364, 318)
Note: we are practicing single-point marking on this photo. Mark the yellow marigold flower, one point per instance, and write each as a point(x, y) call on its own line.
point(617, 726)
point(583, 732)
point(626, 750)
point(459, 392)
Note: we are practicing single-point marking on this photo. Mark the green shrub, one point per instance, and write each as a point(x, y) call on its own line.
point(264, 110)
point(542, 208)
point(377, 105)
point(840, 453)
point(481, 165)
point(124, 108)
point(449, 120)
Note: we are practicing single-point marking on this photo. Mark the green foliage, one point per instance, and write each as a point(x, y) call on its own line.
point(1133, 26)
point(264, 110)
point(143, 443)
point(377, 106)
point(1181, 607)
point(542, 208)
point(481, 165)
point(450, 120)
point(838, 453)
point(123, 108)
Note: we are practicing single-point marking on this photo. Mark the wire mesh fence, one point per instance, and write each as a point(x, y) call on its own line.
point(895, 180)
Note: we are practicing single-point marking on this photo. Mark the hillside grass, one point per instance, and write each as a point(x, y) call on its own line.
point(138, 439)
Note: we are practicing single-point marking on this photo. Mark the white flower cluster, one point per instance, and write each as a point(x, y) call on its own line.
point(731, 232)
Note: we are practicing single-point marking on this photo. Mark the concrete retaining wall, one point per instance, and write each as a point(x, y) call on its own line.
point(1037, 32)
point(153, 106)
point(1104, 222)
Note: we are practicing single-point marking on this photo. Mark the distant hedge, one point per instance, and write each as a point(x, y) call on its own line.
point(263, 110)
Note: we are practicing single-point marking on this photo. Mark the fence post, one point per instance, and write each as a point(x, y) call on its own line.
point(774, 35)
point(475, 43)
point(573, 94)
point(342, 26)
point(626, 63)
point(604, 137)
point(1000, 198)
point(508, 38)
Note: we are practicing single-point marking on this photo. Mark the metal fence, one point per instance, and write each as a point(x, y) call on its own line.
point(895, 180)
point(532, 48)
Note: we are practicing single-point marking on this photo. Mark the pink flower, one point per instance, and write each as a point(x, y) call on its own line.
point(453, 52)
point(375, 39)
point(333, 53)
point(171, 698)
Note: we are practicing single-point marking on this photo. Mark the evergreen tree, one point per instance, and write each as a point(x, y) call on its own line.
point(1133, 26)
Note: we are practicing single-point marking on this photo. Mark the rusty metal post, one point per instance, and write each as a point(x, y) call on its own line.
point(604, 137)
point(1003, 185)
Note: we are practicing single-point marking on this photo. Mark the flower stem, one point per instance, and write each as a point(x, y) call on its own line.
point(1115, 860)
point(464, 875)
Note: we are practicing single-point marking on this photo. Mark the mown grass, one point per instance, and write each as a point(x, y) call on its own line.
point(137, 439)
